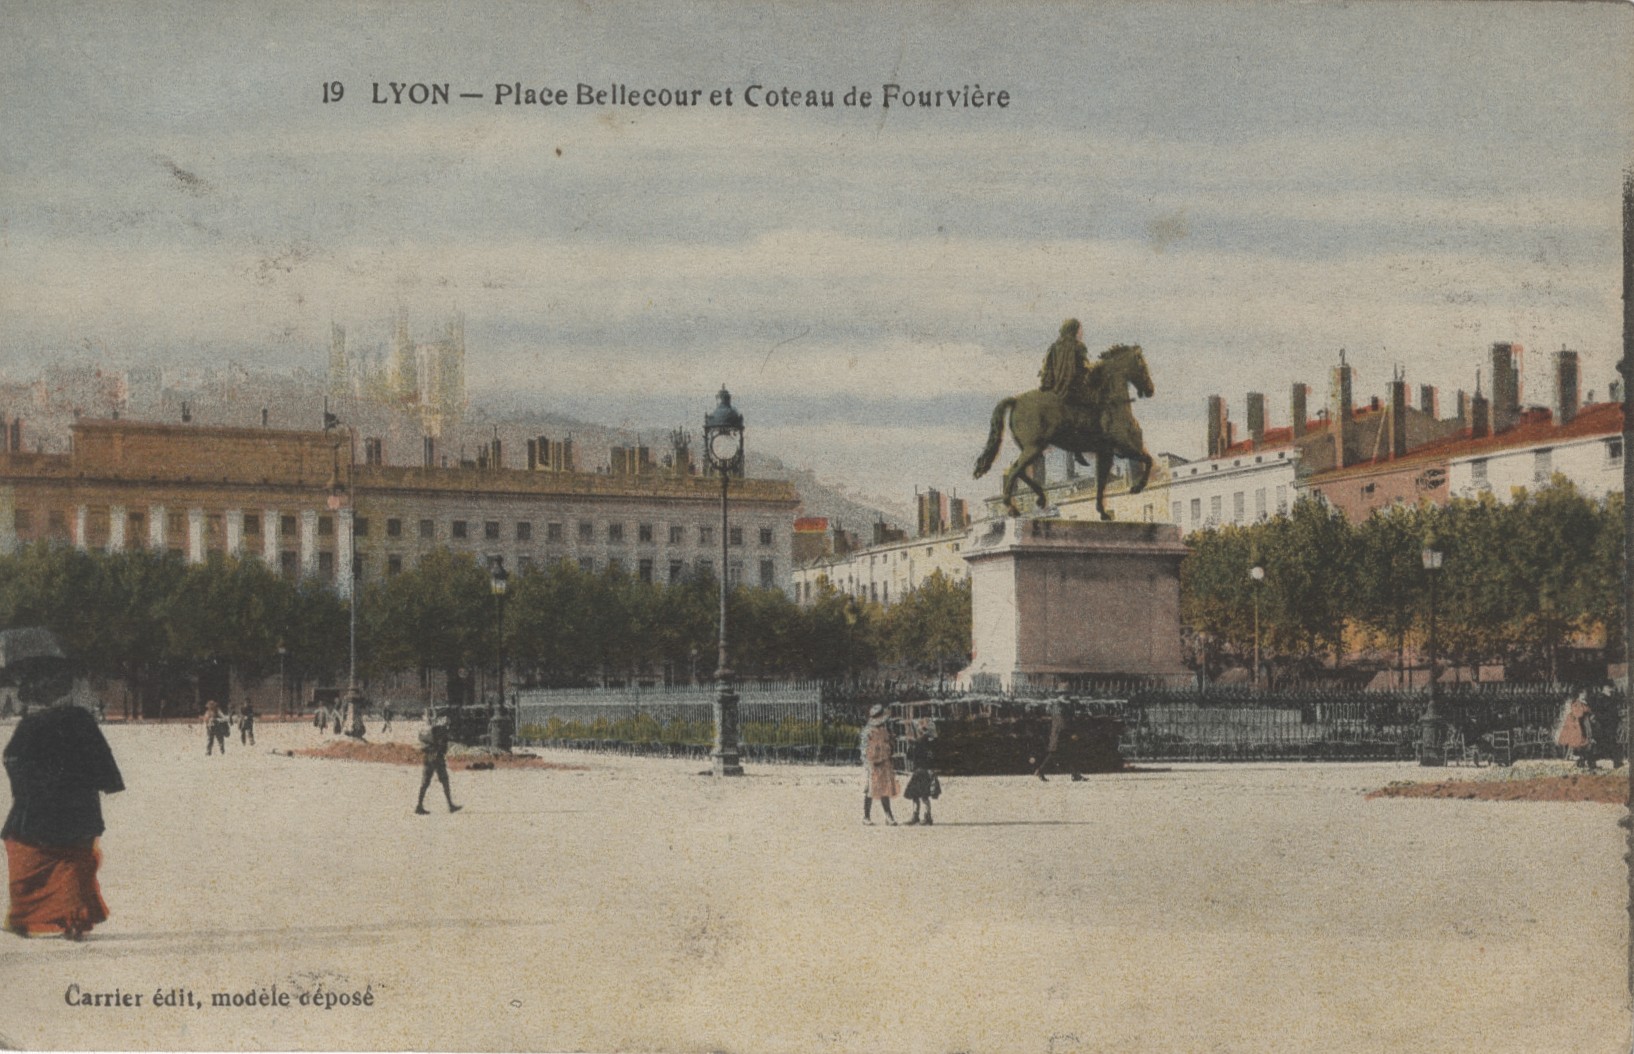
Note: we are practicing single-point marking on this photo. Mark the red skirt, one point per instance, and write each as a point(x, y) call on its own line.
point(54, 887)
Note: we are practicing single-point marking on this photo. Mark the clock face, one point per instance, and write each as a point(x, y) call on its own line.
point(724, 446)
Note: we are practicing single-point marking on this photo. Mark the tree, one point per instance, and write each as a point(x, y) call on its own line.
point(929, 629)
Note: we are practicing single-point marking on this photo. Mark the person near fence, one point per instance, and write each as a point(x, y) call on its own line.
point(434, 752)
point(1576, 732)
point(879, 775)
point(58, 764)
point(1052, 740)
point(1606, 725)
point(923, 784)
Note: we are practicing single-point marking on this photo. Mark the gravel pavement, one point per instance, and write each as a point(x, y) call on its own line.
point(635, 905)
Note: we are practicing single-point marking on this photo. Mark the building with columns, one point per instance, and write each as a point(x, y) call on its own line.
point(309, 505)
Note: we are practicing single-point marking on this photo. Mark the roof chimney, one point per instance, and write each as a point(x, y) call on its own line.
point(1566, 402)
point(1506, 386)
point(1218, 437)
point(1298, 396)
point(1429, 401)
point(1256, 418)
point(1341, 415)
point(1480, 417)
point(1398, 418)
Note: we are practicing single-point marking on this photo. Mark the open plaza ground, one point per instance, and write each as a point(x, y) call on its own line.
point(634, 905)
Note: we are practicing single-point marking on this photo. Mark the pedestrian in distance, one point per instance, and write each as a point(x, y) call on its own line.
point(434, 752)
point(246, 724)
point(215, 728)
point(1576, 732)
point(1052, 742)
point(922, 784)
point(385, 714)
point(58, 763)
point(879, 776)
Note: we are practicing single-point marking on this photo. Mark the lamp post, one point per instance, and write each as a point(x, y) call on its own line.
point(723, 447)
point(1257, 573)
point(339, 499)
point(1429, 740)
point(497, 581)
point(283, 682)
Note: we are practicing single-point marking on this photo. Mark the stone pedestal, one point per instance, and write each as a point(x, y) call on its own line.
point(1058, 601)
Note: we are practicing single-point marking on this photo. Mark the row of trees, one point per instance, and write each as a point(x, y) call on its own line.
point(1522, 583)
point(169, 630)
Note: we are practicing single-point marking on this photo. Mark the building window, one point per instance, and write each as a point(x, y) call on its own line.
point(614, 564)
point(1282, 498)
point(428, 530)
point(677, 568)
point(326, 564)
point(456, 529)
point(675, 535)
point(587, 532)
point(1214, 504)
point(644, 571)
point(360, 526)
point(490, 530)
point(1196, 511)
point(615, 533)
point(706, 536)
point(1174, 512)
point(1238, 507)
point(643, 533)
point(1542, 464)
point(136, 529)
point(768, 575)
point(553, 532)
point(524, 531)
point(587, 564)
point(1614, 450)
point(394, 564)
point(23, 519)
point(326, 526)
point(1259, 504)
point(286, 526)
point(252, 523)
point(706, 568)
point(289, 563)
point(737, 535)
point(765, 536)
point(734, 573)
point(394, 528)
point(1477, 472)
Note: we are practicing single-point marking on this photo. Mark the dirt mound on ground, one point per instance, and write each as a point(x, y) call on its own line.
point(408, 754)
point(1610, 788)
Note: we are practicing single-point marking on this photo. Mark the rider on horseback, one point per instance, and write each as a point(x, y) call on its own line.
point(1066, 365)
point(1067, 372)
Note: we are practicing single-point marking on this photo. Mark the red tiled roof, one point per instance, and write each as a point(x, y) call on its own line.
point(811, 523)
point(1536, 428)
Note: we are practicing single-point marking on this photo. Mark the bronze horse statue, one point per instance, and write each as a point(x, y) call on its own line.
point(1106, 427)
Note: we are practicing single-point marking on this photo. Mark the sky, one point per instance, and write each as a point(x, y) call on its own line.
point(1243, 189)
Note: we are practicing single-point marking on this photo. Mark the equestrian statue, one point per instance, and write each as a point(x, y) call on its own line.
point(1081, 407)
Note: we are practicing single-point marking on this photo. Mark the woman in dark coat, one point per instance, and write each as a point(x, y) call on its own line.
point(58, 763)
